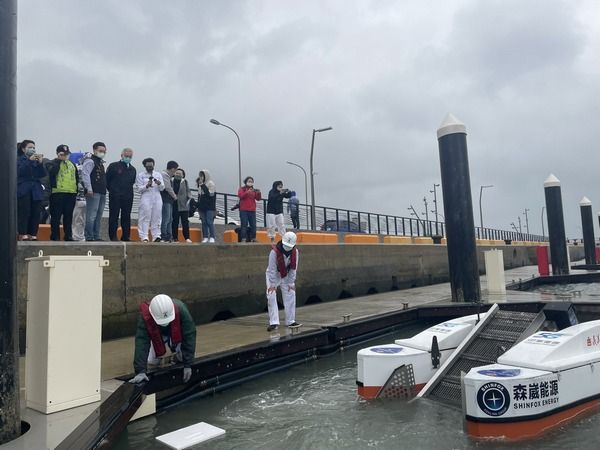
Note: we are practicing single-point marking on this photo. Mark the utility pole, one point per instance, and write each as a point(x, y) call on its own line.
point(520, 228)
point(435, 207)
point(426, 215)
point(10, 413)
point(526, 219)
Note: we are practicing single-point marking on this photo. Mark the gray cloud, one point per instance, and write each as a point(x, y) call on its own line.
point(149, 74)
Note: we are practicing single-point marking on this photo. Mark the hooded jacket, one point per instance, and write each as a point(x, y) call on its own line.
point(207, 193)
point(275, 201)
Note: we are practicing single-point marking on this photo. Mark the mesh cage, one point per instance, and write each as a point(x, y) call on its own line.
point(401, 384)
point(497, 336)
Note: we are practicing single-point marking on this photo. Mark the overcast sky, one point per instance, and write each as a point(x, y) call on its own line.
point(524, 76)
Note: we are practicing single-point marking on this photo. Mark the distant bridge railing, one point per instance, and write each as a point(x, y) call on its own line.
point(348, 220)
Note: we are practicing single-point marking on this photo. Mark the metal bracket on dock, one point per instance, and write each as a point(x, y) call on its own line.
point(295, 329)
point(404, 305)
point(346, 317)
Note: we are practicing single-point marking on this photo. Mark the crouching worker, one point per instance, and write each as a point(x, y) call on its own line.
point(281, 272)
point(165, 329)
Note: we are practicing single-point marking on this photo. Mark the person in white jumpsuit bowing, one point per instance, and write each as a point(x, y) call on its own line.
point(149, 183)
point(281, 272)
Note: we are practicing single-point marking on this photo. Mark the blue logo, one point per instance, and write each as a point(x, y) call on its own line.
point(493, 399)
point(387, 350)
point(548, 335)
point(500, 373)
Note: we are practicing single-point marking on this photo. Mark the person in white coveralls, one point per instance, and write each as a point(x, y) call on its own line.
point(149, 183)
point(281, 272)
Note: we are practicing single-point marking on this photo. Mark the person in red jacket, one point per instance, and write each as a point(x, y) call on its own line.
point(248, 198)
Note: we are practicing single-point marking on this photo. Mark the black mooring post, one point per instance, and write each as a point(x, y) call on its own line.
point(458, 211)
point(587, 225)
point(10, 417)
point(556, 227)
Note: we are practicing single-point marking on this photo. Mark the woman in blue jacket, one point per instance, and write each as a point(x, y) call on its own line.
point(29, 190)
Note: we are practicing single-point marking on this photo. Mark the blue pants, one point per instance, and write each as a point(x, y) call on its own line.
point(248, 219)
point(94, 206)
point(166, 226)
point(208, 223)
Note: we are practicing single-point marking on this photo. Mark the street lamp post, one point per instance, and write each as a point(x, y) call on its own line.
point(485, 186)
point(305, 179)
point(543, 231)
point(312, 176)
point(216, 122)
point(435, 210)
point(526, 219)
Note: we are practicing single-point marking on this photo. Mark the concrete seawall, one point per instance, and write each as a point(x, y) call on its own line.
point(222, 281)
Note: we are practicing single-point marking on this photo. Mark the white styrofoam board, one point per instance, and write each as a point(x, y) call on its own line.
point(192, 435)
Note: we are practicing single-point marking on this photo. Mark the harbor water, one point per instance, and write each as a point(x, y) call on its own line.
point(315, 406)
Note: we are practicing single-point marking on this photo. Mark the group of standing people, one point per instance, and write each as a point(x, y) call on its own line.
point(249, 195)
point(80, 183)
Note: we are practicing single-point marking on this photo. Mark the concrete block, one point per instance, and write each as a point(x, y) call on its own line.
point(397, 240)
point(316, 238)
point(361, 239)
point(422, 240)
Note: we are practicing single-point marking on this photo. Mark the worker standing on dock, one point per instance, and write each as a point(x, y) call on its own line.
point(281, 271)
point(165, 328)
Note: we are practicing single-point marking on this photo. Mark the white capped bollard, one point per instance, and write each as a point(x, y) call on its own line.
point(64, 331)
point(494, 270)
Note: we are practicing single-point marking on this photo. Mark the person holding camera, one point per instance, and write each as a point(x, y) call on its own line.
point(29, 189)
point(248, 197)
point(207, 205)
point(275, 218)
point(149, 183)
point(63, 184)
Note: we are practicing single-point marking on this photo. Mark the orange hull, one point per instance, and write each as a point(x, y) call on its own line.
point(370, 392)
point(527, 429)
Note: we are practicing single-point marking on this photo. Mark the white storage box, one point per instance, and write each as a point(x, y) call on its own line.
point(64, 331)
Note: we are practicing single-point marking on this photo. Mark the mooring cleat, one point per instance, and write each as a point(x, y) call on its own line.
point(295, 327)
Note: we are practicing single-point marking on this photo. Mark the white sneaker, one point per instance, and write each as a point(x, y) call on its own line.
point(211, 240)
point(205, 240)
point(189, 241)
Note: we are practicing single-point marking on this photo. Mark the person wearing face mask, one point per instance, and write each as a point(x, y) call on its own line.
point(207, 205)
point(168, 198)
point(248, 197)
point(63, 184)
point(94, 181)
point(181, 208)
point(281, 272)
point(120, 178)
point(150, 184)
point(29, 190)
point(275, 209)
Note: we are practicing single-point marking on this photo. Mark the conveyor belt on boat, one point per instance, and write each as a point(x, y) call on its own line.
point(494, 335)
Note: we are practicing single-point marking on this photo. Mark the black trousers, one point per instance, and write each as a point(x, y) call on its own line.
point(61, 206)
point(184, 217)
point(295, 220)
point(28, 215)
point(119, 204)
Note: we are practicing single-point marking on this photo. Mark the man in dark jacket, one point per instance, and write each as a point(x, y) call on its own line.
point(94, 181)
point(164, 326)
point(120, 178)
point(64, 178)
point(275, 209)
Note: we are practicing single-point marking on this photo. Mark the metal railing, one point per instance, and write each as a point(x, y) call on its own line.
point(347, 220)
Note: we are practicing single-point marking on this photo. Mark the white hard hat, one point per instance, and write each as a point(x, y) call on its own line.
point(289, 240)
point(162, 309)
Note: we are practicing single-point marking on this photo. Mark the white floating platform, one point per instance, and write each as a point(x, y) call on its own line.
point(192, 435)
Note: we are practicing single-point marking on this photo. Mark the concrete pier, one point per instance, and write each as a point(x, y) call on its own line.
point(458, 210)
point(556, 226)
point(587, 226)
